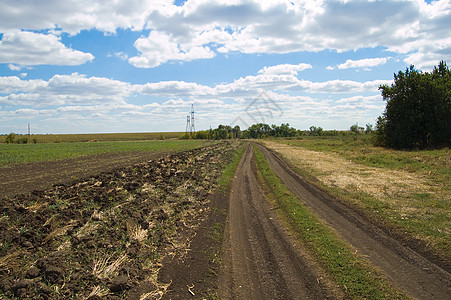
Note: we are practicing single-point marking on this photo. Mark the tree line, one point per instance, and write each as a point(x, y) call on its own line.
point(262, 130)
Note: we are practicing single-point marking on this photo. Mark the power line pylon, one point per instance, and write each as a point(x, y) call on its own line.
point(193, 128)
point(190, 128)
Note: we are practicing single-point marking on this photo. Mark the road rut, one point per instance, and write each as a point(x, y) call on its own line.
point(408, 270)
point(261, 260)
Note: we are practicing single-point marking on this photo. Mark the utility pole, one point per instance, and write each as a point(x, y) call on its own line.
point(29, 129)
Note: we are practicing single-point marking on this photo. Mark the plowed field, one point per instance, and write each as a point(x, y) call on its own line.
point(106, 235)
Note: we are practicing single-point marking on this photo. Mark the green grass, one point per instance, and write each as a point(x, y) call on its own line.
point(11, 154)
point(228, 172)
point(354, 275)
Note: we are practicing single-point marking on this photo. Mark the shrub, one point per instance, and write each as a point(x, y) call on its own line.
point(10, 138)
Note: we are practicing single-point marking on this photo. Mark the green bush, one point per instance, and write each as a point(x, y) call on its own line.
point(10, 138)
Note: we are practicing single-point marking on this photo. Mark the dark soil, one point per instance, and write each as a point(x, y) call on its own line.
point(25, 178)
point(106, 236)
point(193, 273)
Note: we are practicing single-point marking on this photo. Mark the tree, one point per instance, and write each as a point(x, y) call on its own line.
point(369, 128)
point(315, 131)
point(418, 109)
point(10, 138)
point(356, 129)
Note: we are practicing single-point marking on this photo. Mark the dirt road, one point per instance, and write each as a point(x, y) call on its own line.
point(261, 260)
point(408, 270)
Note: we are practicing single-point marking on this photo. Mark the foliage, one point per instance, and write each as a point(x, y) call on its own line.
point(356, 129)
point(221, 133)
point(10, 138)
point(256, 131)
point(369, 128)
point(315, 131)
point(13, 138)
point(418, 109)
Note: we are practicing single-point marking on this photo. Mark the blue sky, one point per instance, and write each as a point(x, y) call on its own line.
point(92, 66)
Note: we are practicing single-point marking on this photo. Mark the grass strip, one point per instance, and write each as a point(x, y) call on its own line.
point(227, 174)
point(11, 154)
point(354, 275)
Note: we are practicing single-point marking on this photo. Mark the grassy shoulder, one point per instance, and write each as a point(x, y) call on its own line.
point(351, 272)
point(406, 191)
point(11, 154)
point(227, 174)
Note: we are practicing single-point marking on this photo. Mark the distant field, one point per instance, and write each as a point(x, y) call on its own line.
point(101, 137)
point(24, 153)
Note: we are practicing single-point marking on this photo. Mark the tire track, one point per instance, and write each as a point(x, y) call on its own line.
point(261, 260)
point(408, 270)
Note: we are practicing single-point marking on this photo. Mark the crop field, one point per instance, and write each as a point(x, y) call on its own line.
point(101, 137)
point(24, 153)
point(106, 235)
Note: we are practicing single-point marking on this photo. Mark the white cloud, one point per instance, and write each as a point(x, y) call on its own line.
point(14, 67)
point(11, 84)
point(201, 29)
point(159, 48)
point(62, 90)
point(285, 69)
point(18, 48)
point(283, 27)
point(72, 16)
point(363, 63)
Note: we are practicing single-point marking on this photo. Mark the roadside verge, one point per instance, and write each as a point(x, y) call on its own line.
point(353, 274)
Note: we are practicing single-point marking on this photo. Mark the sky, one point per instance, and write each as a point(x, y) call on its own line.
point(98, 66)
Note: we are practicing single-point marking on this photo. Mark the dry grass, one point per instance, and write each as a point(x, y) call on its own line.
point(105, 267)
point(36, 206)
point(390, 186)
point(97, 291)
point(411, 198)
point(10, 261)
point(156, 294)
point(135, 231)
point(59, 231)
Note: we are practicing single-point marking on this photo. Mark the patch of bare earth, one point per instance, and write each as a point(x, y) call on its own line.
point(25, 178)
point(107, 236)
